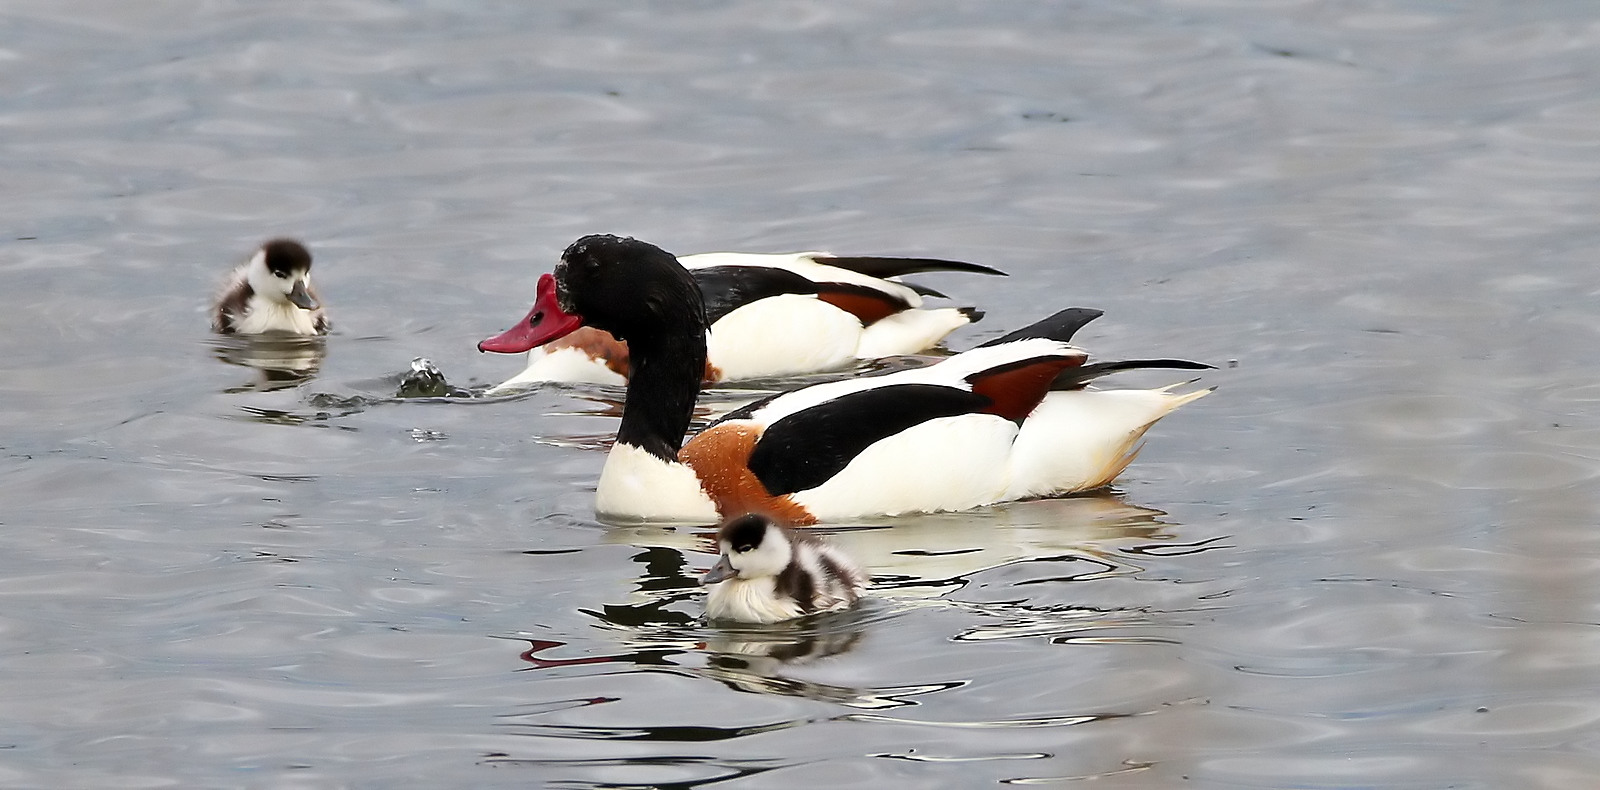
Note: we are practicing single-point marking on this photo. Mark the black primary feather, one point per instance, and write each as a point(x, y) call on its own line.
point(1060, 326)
point(884, 268)
point(1076, 378)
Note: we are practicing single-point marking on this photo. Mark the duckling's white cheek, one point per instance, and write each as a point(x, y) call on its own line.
point(768, 559)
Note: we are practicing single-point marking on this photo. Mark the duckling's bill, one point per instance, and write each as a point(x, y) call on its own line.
point(720, 572)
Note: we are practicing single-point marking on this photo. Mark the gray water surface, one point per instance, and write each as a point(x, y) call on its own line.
point(1368, 560)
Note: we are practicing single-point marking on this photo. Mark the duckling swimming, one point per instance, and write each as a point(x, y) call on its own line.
point(767, 573)
point(271, 293)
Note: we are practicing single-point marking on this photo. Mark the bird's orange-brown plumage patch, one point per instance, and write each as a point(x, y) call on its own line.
point(601, 345)
point(720, 457)
point(598, 344)
point(1016, 389)
point(866, 307)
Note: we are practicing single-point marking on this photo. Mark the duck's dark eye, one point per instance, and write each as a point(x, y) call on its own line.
point(744, 547)
point(281, 275)
point(533, 320)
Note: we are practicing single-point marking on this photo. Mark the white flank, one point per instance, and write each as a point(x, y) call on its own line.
point(782, 336)
point(637, 486)
point(908, 332)
point(948, 463)
point(810, 265)
point(266, 315)
point(1079, 439)
point(562, 364)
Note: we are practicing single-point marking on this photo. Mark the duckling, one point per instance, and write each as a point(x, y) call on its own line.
point(271, 293)
point(767, 573)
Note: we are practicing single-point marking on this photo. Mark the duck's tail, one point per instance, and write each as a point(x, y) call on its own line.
point(1081, 439)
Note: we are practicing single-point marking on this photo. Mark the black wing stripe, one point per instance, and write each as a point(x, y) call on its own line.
point(728, 288)
point(807, 448)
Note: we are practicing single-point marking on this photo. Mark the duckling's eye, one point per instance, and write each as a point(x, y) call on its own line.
point(533, 320)
point(281, 275)
point(744, 547)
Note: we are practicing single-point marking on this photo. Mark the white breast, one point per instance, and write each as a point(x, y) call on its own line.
point(263, 315)
point(750, 601)
point(637, 486)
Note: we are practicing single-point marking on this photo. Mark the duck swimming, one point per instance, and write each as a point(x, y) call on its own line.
point(271, 293)
point(1011, 419)
point(767, 574)
point(774, 315)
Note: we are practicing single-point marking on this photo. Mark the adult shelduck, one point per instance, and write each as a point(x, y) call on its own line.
point(766, 574)
point(1011, 419)
point(271, 292)
point(779, 315)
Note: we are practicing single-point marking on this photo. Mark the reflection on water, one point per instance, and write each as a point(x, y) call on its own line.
point(280, 361)
point(938, 550)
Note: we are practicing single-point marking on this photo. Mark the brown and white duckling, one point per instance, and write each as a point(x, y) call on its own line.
point(767, 574)
point(271, 293)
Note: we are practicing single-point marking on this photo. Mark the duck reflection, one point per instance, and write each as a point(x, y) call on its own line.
point(655, 631)
point(915, 561)
point(760, 660)
point(931, 552)
point(754, 659)
point(280, 361)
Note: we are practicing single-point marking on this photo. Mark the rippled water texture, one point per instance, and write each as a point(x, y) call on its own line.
point(1368, 560)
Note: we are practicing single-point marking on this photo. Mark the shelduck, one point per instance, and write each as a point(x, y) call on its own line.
point(271, 293)
point(766, 574)
point(776, 315)
point(1011, 419)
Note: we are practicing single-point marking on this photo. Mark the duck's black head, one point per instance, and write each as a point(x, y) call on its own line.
point(630, 288)
point(284, 257)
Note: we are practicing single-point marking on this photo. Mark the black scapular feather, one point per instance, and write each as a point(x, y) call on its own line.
point(805, 449)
